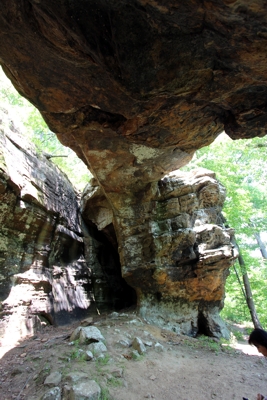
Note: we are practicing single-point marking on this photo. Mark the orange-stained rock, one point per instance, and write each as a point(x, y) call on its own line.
point(174, 249)
point(135, 88)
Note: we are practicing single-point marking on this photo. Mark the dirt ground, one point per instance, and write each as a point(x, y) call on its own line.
point(184, 368)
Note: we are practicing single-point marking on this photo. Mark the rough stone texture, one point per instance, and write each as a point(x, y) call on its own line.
point(42, 269)
point(175, 251)
point(88, 390)
point(97, 349)
point(52, 394)
point(87, 335)
point(53, 379)
point(138, 345)
point(135, 88)
point(80, 387)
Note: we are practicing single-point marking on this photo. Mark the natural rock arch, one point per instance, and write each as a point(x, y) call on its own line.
point(136, 87)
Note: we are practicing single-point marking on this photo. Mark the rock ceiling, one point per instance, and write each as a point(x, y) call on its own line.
point(135, 87)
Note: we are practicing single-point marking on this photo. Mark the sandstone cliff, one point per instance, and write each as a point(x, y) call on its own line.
point(42, 269)
point(175, 249)
point(135, 88)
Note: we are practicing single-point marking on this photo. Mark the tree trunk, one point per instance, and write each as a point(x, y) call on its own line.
point(261, 245)
point(248, 293)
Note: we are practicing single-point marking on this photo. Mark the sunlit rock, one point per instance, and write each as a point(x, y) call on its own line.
point(175, 250)
point(43, 274)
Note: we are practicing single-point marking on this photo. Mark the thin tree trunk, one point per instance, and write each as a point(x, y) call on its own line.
point(248, 293)
point(261, 245)
point(259, 241)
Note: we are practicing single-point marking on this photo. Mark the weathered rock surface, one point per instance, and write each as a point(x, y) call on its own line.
point(87, 335)
point(135, 88)
point(43, 273)
point(174, 250)
point(81, 388)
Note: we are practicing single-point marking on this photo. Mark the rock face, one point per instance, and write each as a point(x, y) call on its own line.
point(174, 250)
point(135, 88)
point(43, 274)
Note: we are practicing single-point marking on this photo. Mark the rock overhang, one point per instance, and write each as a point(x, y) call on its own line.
point(135, 88)
point(154, 78)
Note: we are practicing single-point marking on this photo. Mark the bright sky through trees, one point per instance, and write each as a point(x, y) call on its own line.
point(30, 123)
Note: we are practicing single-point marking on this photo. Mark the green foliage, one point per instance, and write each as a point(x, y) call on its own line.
point(77, 354)
point(238, 335)
point(101, 361)
point(241, 167)
point(210, 344)
point(105, 394)
point(35, 129)
point(46, 141)
point(115, 382)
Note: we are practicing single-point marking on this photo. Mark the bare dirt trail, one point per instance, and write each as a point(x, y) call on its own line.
point(183, 368)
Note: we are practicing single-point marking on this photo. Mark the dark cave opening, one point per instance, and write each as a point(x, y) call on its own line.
point(111, 290)
point(203, 325)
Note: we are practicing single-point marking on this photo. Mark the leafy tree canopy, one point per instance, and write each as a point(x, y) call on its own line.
point(241, 167)
point(32, 125)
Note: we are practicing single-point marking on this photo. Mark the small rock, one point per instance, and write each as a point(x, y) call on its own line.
point(88, 355)
point(66, 391)
point(135, 322)
point(114, 314)
point(117, 373)
point(158, 347)
point(152, 377)
point(139, 345)
point(124, 343)
point(148, 344)
point(97, 348)
point(74, 377)
point(87, 335)
point(88, 390)
point(53, 379)
point(52, 394)
point(146, 333)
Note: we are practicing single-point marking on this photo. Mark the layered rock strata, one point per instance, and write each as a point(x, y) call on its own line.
point(175, 250)
point(43, 274)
